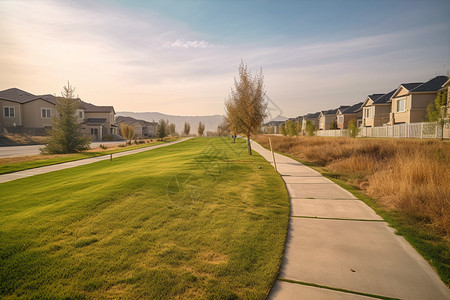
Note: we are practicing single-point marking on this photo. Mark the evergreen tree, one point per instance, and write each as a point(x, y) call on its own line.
point(65, 137)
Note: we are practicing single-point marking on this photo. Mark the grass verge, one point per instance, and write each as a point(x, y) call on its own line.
point(15, 164)
point(191, 220)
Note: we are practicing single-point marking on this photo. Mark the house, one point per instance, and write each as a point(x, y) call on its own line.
point(97, 122)
point(142, 129)
point(272, 127)
point(409, 102)
point(327, 117)
point(313, 118)
point(25, 113)
point(376, 109)
point(344, 115)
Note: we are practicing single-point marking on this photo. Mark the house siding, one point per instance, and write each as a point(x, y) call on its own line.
point(32, 116)
point(8, 121)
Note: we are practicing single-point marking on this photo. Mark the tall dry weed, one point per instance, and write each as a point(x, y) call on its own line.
point(408, 175)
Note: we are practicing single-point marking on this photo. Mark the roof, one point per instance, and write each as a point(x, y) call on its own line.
point(385, 98)
point(374, 97)
point(93, 121)
point(273, 123)
point(432, 85)
point(132, 121)
point(352, 109)
point(312, 116)
point(94, 108)
point(20, 96)
point(411, 86)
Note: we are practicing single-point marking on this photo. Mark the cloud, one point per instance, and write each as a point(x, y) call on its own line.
point(190, 44)
point(141, 61)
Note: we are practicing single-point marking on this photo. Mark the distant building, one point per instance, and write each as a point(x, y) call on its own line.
point(142, 129)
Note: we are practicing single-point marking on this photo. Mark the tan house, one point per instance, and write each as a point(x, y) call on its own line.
point(25, 113)
point(22, 112)
point(376, 109)
point(142, 129)
point(313, 118)
point(409, 102)
point(327, 117)
point(97, 122)
point(344, 115)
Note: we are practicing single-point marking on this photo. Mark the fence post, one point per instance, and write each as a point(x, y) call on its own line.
point(273, 155)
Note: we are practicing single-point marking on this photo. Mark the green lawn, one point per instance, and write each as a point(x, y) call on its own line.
point(191, 220)
point(43, 161)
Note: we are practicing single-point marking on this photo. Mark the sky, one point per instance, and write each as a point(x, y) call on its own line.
point(181, 57)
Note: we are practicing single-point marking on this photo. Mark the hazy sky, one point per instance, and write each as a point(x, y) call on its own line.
point(180, 57)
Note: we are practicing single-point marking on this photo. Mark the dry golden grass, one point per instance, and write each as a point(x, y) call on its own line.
point(408, 175)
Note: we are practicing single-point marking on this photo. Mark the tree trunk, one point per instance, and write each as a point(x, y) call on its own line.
point(249, 146)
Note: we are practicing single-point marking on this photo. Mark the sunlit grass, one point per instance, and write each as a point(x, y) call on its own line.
point(191, 220)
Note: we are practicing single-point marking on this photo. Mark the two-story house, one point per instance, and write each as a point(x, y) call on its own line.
point(23, 112)
point(344, 115)
point(409, 102)
point(327, 117)
point(377, 109)
point(142, 129)
point(313, 118)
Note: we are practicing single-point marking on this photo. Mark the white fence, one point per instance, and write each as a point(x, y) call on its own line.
point(412, 130)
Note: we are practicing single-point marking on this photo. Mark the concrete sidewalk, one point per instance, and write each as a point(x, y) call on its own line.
point(338, 248)
point(76, 163)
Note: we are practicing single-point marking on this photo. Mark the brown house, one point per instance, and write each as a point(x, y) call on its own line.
point(327, 117)
point(409, 102)
point(313, 118)
point(376, 109)
point(344, 115)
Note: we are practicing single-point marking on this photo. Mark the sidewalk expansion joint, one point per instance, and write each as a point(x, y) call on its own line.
point(336, 289)
point(339, 219)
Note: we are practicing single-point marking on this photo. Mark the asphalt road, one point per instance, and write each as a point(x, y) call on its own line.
point(12, 151)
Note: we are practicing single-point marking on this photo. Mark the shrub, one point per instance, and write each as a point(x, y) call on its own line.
point(104, 147)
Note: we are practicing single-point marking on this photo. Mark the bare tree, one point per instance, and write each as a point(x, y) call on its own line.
point(245, 107)
point(65, 137)
point(201, 129)
point(172, 129)
point(187, 128)
point(127, 131)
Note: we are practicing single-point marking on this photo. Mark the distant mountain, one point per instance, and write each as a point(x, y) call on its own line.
point(211, 122)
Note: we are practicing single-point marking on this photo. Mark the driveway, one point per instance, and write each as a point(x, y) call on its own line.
point(12, 151)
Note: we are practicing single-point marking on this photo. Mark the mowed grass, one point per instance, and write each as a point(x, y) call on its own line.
point(14, 164)
point(197, 219)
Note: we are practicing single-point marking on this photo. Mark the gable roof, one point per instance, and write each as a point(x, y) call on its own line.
point(94, 108)
point(312, 116)
point(407, 86)
point(385, 98)
point(352, 109)
point(432, 85)
point(131, 121)
point(372, 97)
point(20, 96)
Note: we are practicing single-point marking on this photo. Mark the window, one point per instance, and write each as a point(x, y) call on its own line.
point(401, 105)
point(369, 112)
point(80, 114)
point(340, 119)
point(8, 112)
point(46, 113)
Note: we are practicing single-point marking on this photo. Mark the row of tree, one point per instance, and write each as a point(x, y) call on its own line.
point(163, 129)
